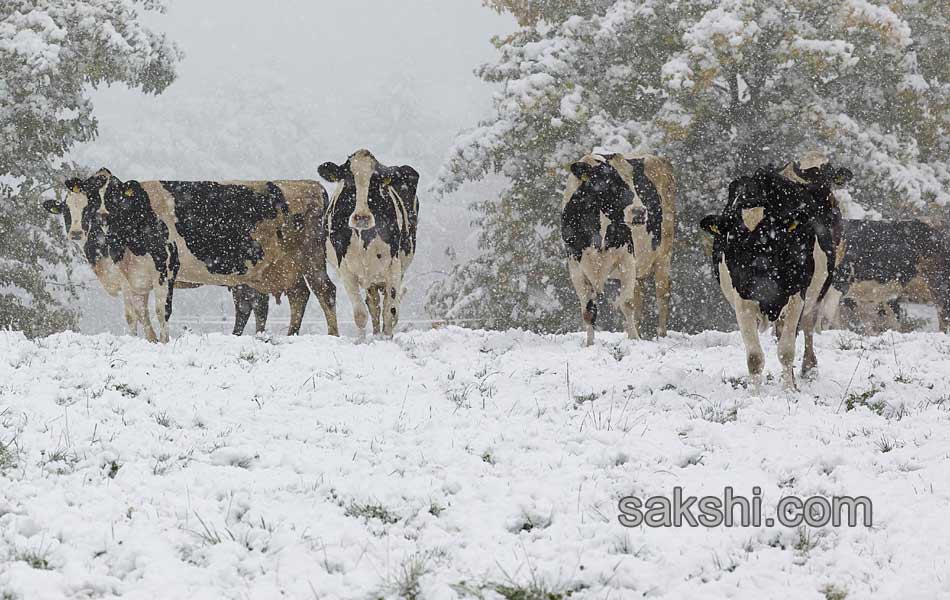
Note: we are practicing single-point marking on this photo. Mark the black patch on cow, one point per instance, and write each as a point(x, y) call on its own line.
point(603, 191)
point(174, 264)
point(134, 227)
point(775, 261)
point(650, 198)
point(884, 251)
point(216, 221)
point(404, 180)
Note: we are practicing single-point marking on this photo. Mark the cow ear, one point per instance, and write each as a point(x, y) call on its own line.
point(582, 170)
point(332, 172)
point(98, 181)
point(407, 177)
point(53, 206)
point(711, 224)
point(131, 189)
point(843, 176)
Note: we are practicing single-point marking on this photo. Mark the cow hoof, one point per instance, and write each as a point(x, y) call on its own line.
point(788, 383)
point(755, 384)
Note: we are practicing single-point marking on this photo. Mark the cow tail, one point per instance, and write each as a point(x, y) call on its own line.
point(174, 264)
point(826, 241)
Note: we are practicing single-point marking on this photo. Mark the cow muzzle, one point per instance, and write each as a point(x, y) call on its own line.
point(362, 220)
point(638, 216)
point(76, 236)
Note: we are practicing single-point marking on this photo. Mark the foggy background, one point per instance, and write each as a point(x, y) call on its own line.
point(271, 94)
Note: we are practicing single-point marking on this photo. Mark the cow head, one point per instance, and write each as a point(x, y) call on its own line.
point(83, 209)
point(815, 168)
point(601, 182)
point(366, 187)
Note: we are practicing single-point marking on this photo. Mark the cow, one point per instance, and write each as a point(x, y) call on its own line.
point(887, 261)
point(618, 217)
point(162, 234)
point(370, 228)
point(775, 250)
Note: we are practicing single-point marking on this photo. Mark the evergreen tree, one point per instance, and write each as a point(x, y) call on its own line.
point(52, 52)
point(718, 88)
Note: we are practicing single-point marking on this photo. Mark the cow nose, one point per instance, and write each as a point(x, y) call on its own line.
point(638, 216)
point(75, 235)
point(362, 221)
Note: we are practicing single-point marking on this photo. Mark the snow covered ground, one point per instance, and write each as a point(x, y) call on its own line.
point(456, 462)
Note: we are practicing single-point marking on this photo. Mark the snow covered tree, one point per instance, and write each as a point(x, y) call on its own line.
point(52, 52)
point(717, 87)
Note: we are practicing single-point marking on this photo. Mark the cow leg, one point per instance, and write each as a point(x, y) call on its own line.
point(326, 294)
point(242, 308)
point(939, 287)
point(374, 304)
point(391, 299)
point(662, 279)
point(139, 303)
point(161, 308)
point(298, 297)
point(810, 360)
point(629, 289)
point(130, 318)
point(360, 314)
point(747, 313)
point(261, 308)
point(789, 335)
point(587, 297)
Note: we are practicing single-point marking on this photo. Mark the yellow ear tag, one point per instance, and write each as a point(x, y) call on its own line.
point(388, 181)
point(714, 228)
point(129, 193)
point(585, 177)
point(793, 226)
point(76, 189)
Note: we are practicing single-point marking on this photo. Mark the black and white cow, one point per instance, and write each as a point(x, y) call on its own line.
point(371, 226)
point(159, 234)
point(884, 261)
point(618, 219)
point(774, 253)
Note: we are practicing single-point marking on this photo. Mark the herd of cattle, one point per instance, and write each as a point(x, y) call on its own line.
point(782, 252)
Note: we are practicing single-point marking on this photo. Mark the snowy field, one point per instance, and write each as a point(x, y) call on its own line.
point(456, 463)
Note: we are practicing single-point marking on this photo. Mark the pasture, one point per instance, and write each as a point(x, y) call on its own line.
point(460, 463)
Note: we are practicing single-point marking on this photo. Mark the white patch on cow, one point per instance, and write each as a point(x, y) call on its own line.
point(332, 206)
point(402, 217)
point(751, 217)
point(807, 161)
point(362, 165)
point(109, 276)
point(604, 224)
